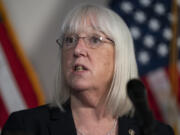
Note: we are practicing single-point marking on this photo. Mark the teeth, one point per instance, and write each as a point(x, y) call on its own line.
point(78, 68)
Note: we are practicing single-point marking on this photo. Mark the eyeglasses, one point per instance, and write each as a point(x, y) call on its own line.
point(92, 41)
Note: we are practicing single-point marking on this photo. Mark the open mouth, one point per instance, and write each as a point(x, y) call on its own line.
point(79, 68)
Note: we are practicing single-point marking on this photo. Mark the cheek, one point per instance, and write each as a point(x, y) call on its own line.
point(66, 62)
point(106, 63)
point(109, 63)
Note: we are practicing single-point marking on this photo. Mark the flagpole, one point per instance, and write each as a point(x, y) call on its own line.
point(173, 57)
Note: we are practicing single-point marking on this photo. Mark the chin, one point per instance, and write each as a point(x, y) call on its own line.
point(79, 86)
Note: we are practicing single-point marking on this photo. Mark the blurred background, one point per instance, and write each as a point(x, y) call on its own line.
point(30, 28)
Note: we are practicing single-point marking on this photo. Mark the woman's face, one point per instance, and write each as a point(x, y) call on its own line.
point(87, 68)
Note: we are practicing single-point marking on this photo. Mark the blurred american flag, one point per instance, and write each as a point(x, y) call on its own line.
point(151, 25)
point(19, 85)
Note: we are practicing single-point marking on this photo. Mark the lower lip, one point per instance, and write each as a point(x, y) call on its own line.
point(80, 72)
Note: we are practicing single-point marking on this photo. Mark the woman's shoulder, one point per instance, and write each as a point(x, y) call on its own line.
point(163, 128)
point(37, 121)
point(29, 119)
point(134, 125)
point(28, 115)
point(43, 112)
point(33, 112)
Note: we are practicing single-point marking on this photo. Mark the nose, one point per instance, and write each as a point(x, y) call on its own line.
point(81, 48)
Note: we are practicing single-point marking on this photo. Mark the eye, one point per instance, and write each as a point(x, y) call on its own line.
point(95, 39)
point(70, 40)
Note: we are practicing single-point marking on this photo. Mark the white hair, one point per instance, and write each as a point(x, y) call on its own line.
point(113, 26)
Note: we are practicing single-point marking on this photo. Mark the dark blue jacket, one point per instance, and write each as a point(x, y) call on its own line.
point(46, 120)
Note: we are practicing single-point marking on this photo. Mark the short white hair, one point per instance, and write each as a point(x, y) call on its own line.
point(113, 26)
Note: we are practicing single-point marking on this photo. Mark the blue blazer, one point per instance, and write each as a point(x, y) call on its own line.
point(46, 120)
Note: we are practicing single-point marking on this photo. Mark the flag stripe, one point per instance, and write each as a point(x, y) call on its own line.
point(177, 94)
point(152, 101)
point(19, 86)
point(20, 75)
point(9, 91)
point(3, 112)
point(160, 86)
point(22, 58)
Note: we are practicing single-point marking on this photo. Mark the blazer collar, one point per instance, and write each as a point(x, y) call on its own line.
point(62, 123)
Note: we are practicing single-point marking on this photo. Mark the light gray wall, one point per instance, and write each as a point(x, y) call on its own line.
point(37, 24)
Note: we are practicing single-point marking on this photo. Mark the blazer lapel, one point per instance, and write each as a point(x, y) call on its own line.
point(128, 126)
point(61, 123)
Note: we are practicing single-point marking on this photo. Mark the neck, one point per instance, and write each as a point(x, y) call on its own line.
point(87, 103)
point(85, 111)
point(91, 116)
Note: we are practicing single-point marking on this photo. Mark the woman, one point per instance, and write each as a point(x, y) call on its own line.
point(96, 61)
